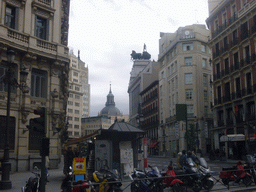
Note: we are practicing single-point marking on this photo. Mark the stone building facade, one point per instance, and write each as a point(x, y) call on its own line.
point(184, 78)
point(233, 40)
point(38, 32)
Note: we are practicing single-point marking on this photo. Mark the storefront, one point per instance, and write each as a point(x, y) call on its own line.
point(233, 145)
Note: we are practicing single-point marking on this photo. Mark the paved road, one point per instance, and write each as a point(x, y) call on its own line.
point(56, 176)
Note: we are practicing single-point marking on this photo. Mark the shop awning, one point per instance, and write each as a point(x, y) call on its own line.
point(153, 144)
point(234, 137)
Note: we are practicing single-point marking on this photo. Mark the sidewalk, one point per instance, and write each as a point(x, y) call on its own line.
point(19, 179)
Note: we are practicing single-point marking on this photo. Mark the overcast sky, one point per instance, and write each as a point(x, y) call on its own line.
point(106, 32)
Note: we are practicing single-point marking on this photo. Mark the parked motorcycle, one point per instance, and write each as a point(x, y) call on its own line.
point(146, 181)
point(106, 181)
point(189, 175)
point(236, 174)
point(33, 183)
point(250, 166)
point(205, 177)
point(155, 177)
point(68, 185)
point(176, 185)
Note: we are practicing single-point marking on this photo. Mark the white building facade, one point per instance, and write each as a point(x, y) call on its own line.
point(79, 95)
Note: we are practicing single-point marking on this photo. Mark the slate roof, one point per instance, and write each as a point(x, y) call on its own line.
point(125, 127)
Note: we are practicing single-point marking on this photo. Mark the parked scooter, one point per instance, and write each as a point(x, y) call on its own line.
point(146, 181)
point(68, 185)
point(236, 174)
point(189, 175)
point(204, 170)
point(106, 181)
point(33, 183)
point(250, 166)
point(171, 180)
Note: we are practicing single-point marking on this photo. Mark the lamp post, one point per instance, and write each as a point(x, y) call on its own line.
point(6, 183)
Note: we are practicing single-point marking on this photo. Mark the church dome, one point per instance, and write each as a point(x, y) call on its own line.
point(110, 109)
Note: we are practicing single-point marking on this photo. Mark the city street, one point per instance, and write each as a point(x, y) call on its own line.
point(56, 176)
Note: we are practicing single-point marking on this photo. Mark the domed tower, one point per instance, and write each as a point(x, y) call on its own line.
point(110, 109)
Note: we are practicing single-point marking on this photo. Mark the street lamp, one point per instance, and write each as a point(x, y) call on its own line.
point(6, 183)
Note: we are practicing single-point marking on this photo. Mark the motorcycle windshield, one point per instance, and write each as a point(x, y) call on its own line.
point(250, 159)
point(203, 163)
point(156, 171)
point(190, 162)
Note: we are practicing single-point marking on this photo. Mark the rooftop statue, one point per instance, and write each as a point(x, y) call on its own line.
point(144, 55)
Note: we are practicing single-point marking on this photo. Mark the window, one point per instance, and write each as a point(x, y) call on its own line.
point(76, 118)
point(205, 95)
point(70, 110)
point(77, 88)
point(75, 80)
point(70, 118)
point(188, 60)
point(70, 95)
point(70, 102)
point(189, 94)
point(41, 28)
point(38, 83)
point(188, 78)
point(77, 104)
point(205, 80)
point(76, 133)
point(76, 111)
point(187, 46)
point(74, 66)
point(77, 96)
point(203, 48)
point(76, 126)
point(70, 125)
point(75, 74)
point(11, 16)
point(204, 63)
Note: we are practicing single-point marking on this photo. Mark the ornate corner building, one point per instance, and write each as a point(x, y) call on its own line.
point(184, 78)
point(37, 30)
point(233, 36)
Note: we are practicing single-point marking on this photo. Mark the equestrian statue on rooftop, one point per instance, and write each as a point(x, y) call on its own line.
point(144, 55)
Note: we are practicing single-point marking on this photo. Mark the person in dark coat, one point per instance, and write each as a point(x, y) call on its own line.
point(183, 158)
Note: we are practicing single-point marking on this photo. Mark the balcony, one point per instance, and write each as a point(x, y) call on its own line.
point(33, 43)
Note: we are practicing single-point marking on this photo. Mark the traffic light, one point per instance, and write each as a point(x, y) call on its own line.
point(38, 124)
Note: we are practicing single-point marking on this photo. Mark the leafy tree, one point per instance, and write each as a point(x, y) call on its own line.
point(190, 137)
